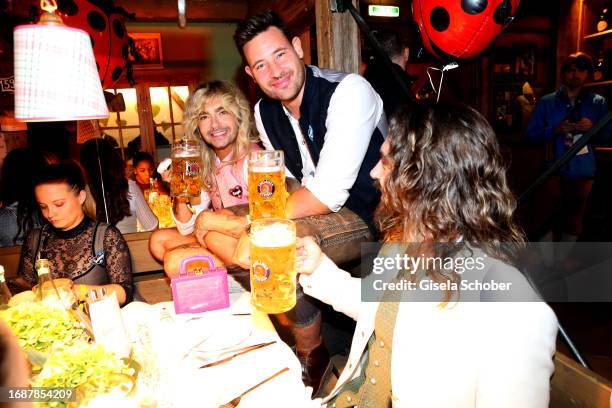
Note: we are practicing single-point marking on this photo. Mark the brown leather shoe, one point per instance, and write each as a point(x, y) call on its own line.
point(314, 365)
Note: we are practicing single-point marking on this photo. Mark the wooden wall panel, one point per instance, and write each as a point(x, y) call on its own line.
point(338, 44)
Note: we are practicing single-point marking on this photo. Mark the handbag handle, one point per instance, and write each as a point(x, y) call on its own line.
point(209, 259)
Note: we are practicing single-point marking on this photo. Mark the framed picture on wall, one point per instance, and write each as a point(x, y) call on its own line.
point(525, 61)
point(149, 48)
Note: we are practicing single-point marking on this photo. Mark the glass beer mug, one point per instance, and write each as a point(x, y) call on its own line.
point(267, 193)
point(273, 275)
point(186, 178)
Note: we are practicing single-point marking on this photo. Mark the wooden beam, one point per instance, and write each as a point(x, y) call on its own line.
point(568, 35)
point(306, 46)
point(147, 131)
point(338, 45)
point(196, 10)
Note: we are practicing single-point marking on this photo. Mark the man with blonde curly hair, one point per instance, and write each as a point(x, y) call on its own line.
point(219, 115)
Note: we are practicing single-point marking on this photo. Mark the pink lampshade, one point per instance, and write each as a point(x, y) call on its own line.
point(55, 75)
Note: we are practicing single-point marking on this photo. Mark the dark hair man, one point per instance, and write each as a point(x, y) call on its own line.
point(330, 125)
point(563, 117)
point(379, 76)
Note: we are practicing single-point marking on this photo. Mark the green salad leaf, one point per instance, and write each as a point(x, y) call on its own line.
point(79, 364)
point(42, 327)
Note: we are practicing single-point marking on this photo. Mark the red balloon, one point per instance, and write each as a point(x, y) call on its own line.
point(106, 28)
point(461, 29)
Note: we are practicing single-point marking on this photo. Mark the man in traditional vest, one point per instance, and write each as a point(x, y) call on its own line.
point(330, 125)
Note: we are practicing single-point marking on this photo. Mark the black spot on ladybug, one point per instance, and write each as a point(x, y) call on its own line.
point(439, 18)
point(502, 14)
point(116, 73)
point(96, 21)
point(68, 7)
point(474, 6)
point(118, 29)
point(236, 192)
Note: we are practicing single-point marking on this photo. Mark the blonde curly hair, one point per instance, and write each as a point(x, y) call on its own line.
point(232, 100)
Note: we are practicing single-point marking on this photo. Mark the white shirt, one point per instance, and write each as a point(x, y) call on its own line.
point(139, 212)
point(354, 111)
point(471, 354)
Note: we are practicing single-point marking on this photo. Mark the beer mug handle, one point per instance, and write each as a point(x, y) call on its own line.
point(211, 263)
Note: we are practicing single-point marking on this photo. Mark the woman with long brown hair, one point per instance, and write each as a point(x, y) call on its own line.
point(444, 196)
point(119, 201)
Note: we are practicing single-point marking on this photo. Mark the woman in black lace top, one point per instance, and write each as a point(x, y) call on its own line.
point(68, 239)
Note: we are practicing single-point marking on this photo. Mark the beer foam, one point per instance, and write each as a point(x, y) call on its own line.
point(185, 155)
point(264, 169)
point(274, 235)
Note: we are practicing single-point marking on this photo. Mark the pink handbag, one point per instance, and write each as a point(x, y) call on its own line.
point(200, 289)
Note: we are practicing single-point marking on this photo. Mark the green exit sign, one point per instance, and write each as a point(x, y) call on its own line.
point(383, 11)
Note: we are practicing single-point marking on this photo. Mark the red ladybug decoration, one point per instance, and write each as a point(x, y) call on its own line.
point(461, 29)
point(105, 25)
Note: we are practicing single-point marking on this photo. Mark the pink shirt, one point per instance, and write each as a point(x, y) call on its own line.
point(232, 190)
point(231, 182)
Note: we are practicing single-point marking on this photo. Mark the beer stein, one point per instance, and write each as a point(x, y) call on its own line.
point(272, 257)
point(267, 193)
point(186, 178)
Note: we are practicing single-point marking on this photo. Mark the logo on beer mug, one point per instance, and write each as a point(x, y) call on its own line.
point(192, 168)
point(265, 188)
point(261, 272)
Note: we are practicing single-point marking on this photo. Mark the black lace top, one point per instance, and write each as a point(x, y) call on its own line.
point(70, 254)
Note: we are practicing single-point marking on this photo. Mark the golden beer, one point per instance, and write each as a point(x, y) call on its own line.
point(273, 275)
point(267, 193)
point(161, 206)
point(186, 180)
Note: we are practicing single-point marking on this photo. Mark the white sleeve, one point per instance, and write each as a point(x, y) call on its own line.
point(263, 136)
point(354, 111)
point(145, 216)
point(186, 228)
point(516, 359)
point(333, 286)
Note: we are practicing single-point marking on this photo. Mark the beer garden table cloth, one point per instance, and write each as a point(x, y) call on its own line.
point(171, 348)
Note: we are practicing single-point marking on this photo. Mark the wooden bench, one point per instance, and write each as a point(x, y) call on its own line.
point(573, 386)
point(148, 272)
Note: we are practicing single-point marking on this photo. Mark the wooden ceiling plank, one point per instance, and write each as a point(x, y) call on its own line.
point(298, 15)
